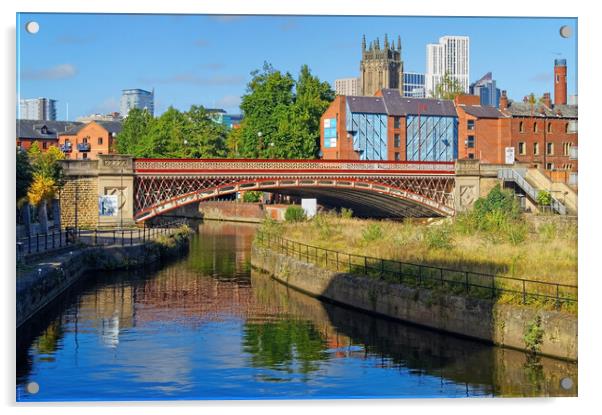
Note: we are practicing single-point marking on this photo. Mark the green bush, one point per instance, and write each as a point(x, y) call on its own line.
point(323, 225)
point(346, 213)
point(252, 196)
point(497, 200)
point(439, 237)
point(294, 213)
point(372, 232)
point(544, 198)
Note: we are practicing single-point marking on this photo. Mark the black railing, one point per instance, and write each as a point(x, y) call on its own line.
point(53, 241)
point(461, 282)
point(83, 147)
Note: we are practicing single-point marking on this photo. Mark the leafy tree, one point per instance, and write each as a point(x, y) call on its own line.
point(206, 138)
point(448, 88)
point(24, 175)
point(133, 138)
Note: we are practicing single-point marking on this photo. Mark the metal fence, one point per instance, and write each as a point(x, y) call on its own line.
point(459, 282)
point(52, 241)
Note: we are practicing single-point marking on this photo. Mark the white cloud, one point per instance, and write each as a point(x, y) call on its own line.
point(63, 71)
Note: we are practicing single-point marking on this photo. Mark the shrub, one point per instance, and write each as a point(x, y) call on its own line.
point(252, 196)
point(497, 200)
point(544, 198)
point(346, 213)
point(294, 213)
point(372, 232)
point(323, 225)
point(438, 237)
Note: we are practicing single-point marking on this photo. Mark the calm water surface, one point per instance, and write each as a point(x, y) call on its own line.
point(207, 327)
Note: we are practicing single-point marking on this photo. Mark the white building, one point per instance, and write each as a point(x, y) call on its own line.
point(347, 86)
point(43, 109)
point(452, 56)
point(137, 98)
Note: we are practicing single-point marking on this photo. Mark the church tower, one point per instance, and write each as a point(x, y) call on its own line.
point(381, 68)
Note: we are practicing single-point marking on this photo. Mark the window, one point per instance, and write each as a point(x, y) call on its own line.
point(521, 127)
point(85, 141)
point(549, 166)
point(471, 156)
point(470, 141)
point(550, 148)
point(535, 127)
point(396, 141)
point(44, 145)
point(536, 149)
point(99, 141)
point(522, 149)
point(549, 127)
point(84, 155)
point(395, 122)
point(470, 125)
point(397, 157)
point(566, 148)
point(566, 128)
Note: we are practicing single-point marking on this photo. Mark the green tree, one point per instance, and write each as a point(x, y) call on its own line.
point(134, 136)
point(206, 138)
point(448, 88)
point(24, 175)
point(265, 104)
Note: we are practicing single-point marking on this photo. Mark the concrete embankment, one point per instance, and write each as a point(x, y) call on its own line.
point(545, 332)
point(50, 278)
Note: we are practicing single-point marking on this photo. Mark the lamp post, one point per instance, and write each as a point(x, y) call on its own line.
point(260, 141)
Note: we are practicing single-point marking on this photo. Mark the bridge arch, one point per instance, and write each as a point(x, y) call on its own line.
point(384, 196)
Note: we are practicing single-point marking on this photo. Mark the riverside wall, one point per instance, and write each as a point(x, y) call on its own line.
point(500, 324)
point(49, 279)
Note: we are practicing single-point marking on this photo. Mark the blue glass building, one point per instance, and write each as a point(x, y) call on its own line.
point(485, 88)
point(413, 85)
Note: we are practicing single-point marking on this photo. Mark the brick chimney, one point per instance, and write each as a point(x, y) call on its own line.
point(503, 101)
point(547, 101)
point(559, 81)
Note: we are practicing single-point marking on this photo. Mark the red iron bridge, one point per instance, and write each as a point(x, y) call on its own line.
point(370, 188)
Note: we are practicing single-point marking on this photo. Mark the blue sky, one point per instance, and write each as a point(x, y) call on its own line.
point(85, 60)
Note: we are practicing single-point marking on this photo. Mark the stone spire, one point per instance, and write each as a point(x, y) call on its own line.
point(386, 42)
point(363, 43)
point(377, 44)
point(399, 43)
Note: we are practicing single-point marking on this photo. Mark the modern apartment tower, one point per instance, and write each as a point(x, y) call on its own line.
point(137, 98)
point(450, 56)
point(43, 109)
point(380, 68)
point(347, 86)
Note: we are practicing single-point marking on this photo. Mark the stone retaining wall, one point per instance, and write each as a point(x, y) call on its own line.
point(501, 324)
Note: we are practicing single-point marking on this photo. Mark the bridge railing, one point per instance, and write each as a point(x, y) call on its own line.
point(225, 165)
point(458, 282)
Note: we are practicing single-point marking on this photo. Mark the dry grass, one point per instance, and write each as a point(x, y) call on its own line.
point(548, 253)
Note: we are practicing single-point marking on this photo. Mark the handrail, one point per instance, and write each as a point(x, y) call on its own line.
point(516, 177)
point(470, 283)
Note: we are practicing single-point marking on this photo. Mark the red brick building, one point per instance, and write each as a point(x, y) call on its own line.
point(89, 140)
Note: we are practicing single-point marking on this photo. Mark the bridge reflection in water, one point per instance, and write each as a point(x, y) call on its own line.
point(206, 327)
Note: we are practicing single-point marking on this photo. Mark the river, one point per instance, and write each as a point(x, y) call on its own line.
point(206, 326)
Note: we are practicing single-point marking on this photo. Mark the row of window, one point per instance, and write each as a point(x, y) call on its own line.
point(85, 140)
point(521, 127)
point(522, 149)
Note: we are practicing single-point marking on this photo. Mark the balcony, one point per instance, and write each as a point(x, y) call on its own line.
point(66, 148)
point(83, 147)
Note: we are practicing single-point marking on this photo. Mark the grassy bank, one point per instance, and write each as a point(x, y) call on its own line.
point(484, 241)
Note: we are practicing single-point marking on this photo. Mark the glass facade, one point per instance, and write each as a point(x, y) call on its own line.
point(431, 138)
point(369, 132)
point(413, 85)
point(330, 133)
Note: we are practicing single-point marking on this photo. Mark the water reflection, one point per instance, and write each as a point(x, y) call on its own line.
point(206, 327)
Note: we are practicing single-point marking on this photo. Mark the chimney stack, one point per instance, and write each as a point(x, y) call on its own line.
point(504, 101)
point(559, 81)
point(547, 101)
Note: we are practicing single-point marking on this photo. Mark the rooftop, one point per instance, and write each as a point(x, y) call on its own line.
point(44, 130)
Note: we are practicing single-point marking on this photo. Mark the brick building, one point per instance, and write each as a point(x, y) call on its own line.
point(45, 133)
point(87, 141)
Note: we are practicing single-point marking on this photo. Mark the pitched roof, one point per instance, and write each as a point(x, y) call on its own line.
point(34, 129)
point(110, 126)
point(370, 105)
point(401, 106)
point(484, 111)
point(524, 109)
